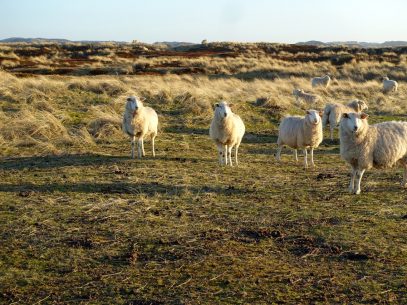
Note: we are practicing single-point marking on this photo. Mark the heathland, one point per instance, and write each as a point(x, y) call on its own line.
point(81, 222)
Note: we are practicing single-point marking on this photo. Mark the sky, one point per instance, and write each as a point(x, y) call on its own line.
point(286, 21)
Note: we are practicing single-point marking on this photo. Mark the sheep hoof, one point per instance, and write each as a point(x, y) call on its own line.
point(357, 192)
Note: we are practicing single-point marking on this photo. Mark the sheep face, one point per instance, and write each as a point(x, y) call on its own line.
point(297, 91)
point(385, 78)
point(133, 104)
point(362, 106)
point(222, 110)
point(354, 122)
point(313, 117)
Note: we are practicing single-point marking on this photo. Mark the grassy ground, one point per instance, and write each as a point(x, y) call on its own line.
point(102, 228)
point(83, 223)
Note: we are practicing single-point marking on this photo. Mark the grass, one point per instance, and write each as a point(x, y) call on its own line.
point(81, 222)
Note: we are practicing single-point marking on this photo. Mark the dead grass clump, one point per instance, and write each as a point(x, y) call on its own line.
point(272, 105)
point(106, 123)
point(111, 87)
point(30, 127)
point(192, 105)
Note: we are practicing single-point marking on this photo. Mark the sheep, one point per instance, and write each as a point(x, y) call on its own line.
point(307, 97)
point(389, 85)
point(321, 81)
point(139, 122)
point(363, 147)
point(333, 113)
point(300, 132)
point(226, 130)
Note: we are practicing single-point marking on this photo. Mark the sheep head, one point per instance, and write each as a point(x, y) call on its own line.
point(134, 105)
point(222, 110)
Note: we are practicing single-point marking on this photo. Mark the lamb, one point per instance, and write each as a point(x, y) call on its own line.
point(389, 85)
point(300, 132)
point(363, 147)
point(227, 130)
point(139, 122)
point(307, 97)
point(333, 113)
point(321, 81)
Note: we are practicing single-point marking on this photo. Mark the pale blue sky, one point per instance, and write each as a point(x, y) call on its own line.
point(216, 20)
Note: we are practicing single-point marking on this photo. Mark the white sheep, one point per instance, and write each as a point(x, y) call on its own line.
point(321, 81)
point(227, 130)
point(307, 97)
point(139, 122)
point(300, 132)
point(389, 85)
point(333, 113)
point(363, 146)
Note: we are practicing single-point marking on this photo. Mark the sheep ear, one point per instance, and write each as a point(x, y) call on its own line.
point(216, 105)
point(321, 113)
point(364, 116)
point(307, 112)
point(231, 105)
point(345, 115)
point(128, 99)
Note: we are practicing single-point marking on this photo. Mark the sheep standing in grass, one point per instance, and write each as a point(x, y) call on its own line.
point(307, 97)
point(227, 130)
point(363, 146)
point(389, 85)
point(300, 132)
point(333, 113)
point(139, 122)
point(321, 81)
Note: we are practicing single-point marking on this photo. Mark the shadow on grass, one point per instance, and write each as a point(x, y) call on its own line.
point(149, 189)
point(59, 161)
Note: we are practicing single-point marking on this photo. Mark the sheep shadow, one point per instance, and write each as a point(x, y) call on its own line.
point(187, 130)
point(58, 161)
point(147, 189)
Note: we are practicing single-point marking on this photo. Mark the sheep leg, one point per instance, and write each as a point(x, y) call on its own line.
point(220, 152)
point(236, 149)
point(404, 183)
point(142, 147)
point(225, 151)
point(153, 144)
point(278, 155)
point(133, 143)
point(139, 148)
point(312, 157)
point(305, 158)
point(352, 180)
point(331, 128)
point(230, 155)
point(295, 155)
point(359, 175)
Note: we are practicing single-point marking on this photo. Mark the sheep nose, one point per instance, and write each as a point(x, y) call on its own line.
point(355, 128)
point(225, 115)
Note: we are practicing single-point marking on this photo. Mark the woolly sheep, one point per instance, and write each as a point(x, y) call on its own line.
point(300, 132)
point(321, 81)
point(307, 97)
point(363, 146)
point(389, 85)
point(333, 113)
point(139, 122)
point(227, 130)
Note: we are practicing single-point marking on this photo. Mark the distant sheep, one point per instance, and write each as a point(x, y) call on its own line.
point(389, 85)
point(363, 146)
point(139, 122)
point(321, 81)
point(333, 113)
point(227, 130)
point(306, 97)
point(300, 132)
